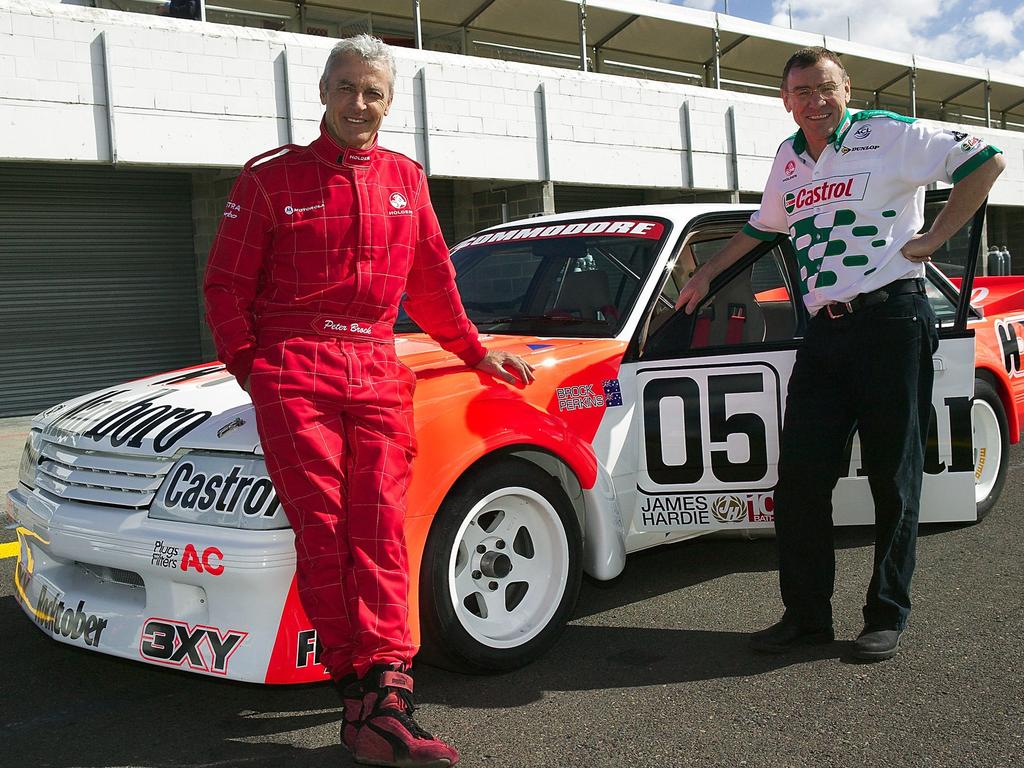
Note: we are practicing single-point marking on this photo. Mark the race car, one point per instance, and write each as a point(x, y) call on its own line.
point(149, 529)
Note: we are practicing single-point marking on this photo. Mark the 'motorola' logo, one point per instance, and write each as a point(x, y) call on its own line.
point(834, 189)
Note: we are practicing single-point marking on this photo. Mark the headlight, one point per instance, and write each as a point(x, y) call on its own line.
point(30, 459)
point(230, 491)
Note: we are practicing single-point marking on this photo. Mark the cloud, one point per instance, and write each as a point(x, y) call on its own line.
point(982, 33)
point(996, 27)
point(704, 5)
point(895, 24)
point(951, 30)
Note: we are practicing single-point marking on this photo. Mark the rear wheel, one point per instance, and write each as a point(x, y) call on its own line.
point(501, 569)
point(991, 445)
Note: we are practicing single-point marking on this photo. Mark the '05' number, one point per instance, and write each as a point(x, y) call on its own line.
point(661, 448)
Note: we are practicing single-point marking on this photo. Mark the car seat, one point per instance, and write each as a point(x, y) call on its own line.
point(586, 296)
point(732, 317)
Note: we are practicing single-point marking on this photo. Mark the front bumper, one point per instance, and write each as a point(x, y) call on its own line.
point(217, 601)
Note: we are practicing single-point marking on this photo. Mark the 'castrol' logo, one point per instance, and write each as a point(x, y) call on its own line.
point(836, 189)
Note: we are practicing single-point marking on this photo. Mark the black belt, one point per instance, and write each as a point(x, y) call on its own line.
point(862, 301)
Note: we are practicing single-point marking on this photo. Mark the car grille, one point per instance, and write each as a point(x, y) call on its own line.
point(100, 478)
point(113, 575)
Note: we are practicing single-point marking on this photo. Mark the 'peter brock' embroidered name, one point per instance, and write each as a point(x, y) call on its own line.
point(835, 189)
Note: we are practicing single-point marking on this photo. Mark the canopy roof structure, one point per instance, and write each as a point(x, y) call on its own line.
point(641, 38)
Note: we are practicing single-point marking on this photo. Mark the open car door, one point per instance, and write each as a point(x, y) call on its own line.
point(948, 493)
point(709, 391)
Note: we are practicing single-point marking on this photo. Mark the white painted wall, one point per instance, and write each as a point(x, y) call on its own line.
point(187, 94)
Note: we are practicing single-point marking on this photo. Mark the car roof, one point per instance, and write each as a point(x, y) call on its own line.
point(679, 214)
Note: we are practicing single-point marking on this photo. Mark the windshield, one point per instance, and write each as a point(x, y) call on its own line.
point(577, 278)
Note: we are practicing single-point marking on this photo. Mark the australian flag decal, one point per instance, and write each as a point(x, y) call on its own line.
point(612, 392)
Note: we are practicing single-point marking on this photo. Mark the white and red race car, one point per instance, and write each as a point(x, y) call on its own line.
point(149, 530)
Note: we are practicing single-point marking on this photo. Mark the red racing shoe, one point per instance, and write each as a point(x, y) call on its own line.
point(351, 692)
point(385, 733)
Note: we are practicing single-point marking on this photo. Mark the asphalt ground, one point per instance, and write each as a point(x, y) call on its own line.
point(652, 671)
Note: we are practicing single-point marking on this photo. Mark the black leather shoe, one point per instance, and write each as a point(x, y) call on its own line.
point(786, 635)
point(877, 644)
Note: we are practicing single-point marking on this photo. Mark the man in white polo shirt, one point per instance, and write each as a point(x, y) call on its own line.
point(849, 190)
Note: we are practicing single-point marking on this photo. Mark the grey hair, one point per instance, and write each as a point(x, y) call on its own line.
point(366, 47)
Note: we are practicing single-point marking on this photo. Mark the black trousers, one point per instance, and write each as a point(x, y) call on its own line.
point(870, 371)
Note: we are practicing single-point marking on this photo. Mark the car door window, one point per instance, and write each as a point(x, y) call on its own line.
point(943, 306)
point(749, 305)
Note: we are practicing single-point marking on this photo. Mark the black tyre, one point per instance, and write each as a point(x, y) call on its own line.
point(991, 445)
point(501, 570)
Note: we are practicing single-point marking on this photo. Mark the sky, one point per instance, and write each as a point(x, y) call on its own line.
point(983, 33)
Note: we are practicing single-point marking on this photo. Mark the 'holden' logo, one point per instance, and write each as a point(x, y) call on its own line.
point(398, 201)
point(790, 168)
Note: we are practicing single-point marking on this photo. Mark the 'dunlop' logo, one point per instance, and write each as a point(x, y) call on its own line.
point(398, 201)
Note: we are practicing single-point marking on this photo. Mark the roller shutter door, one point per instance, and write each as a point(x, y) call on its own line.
point(442, 197)
point(97, 280)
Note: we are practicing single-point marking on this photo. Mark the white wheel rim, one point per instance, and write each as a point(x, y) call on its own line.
point(518, 531)
point(987, 448)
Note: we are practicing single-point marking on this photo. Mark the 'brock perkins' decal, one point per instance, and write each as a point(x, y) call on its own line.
point(175, 643)
point(127, 423)
point(582, 396)
point(711, 446)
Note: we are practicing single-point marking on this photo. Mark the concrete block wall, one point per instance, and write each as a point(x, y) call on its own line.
point(183, 94)
point(210, 188)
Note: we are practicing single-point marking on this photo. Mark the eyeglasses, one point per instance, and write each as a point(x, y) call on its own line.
point(825, 90)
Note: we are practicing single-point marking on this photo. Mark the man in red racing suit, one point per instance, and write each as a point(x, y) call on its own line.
point(316, 247)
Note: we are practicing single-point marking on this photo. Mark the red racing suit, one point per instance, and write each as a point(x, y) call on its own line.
point(316, 247)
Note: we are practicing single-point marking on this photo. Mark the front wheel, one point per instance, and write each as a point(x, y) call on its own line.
point(501, 569)
point(991, 445)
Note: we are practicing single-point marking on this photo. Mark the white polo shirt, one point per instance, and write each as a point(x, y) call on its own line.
point(850, 213)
